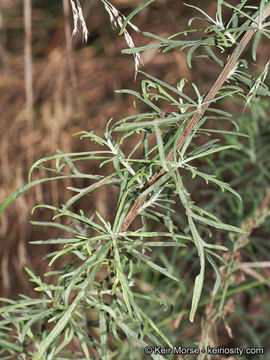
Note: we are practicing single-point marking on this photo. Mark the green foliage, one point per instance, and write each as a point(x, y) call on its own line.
point(103, 285)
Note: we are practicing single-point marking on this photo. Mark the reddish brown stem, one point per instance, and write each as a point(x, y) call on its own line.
point(196, 117)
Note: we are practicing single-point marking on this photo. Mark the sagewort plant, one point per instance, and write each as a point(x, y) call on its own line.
point(133, 282)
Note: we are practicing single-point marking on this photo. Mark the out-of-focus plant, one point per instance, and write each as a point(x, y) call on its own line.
point(108, 297)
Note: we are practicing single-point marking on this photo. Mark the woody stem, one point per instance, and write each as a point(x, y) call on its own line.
point(223, 76)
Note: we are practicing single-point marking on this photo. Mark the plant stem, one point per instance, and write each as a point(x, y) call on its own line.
point(196, 117)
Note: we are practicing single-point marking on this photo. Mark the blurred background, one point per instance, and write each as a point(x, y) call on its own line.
point(72, 89)
point(56, 87)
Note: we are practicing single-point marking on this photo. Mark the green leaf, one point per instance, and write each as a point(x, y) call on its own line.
point(199, 280)
point(160, 147)
point(12, 197)
point(9, 345)
point(153, 265)
point(213, 179)
point(103, 335)
point(210, 151)
point(255, 44)
point(218, 275)
point(132, 14)
point(59, 326)
point(217, 225)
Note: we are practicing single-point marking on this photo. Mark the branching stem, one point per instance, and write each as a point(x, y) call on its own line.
point(196, 117)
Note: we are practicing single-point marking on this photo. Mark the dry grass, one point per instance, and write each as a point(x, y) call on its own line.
point(73, 89)
point(71, 92)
